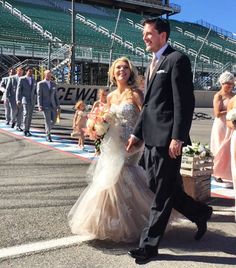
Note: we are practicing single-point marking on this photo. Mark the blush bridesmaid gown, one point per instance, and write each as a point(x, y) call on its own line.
point(220, 146)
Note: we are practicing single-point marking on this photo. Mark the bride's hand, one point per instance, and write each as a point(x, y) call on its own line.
point(132, 142)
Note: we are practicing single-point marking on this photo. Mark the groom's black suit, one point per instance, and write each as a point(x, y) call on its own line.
point(166, 114)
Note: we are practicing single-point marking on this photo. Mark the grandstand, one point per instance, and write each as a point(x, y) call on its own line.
point(39, 33)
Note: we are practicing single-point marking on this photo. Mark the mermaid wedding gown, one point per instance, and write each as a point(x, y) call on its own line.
point(115, 205)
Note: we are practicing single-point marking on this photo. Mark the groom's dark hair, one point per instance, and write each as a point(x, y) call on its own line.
point(161, 25)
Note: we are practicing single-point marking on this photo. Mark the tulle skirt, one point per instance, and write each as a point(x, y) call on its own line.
point(116, 213)
point(116, 204)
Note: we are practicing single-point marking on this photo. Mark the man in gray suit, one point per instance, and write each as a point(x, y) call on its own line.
point(16, 111)
point(26, 97)
point(48, 102)
point(3, 85)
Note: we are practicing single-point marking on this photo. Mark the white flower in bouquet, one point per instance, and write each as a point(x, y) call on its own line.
point(101, 128)
point(90, 123)
point(231, 115)
point(109, 117)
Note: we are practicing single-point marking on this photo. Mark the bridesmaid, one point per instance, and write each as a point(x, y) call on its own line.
point(221, 134)
point(232, 125)
point(102, 100)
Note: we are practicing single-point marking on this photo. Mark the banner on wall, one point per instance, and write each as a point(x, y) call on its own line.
point(69, 94)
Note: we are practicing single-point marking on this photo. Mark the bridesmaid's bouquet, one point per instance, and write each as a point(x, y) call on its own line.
point(231, 115)
point(98, 124)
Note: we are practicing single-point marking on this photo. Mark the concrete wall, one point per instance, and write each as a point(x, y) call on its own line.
point(204, 98)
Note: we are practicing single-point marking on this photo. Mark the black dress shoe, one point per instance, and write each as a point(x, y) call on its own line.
point(48, 138)
point(27, 133)
point(135, 252)
point(142, 255)
point(202, 224)
point(7, 123)
point(218, 180)
point(13, 125)
point(19, 129)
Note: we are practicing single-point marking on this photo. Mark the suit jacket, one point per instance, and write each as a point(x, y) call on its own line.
point(47, 97)
point(25, 92)
point(3, 85)
point(11, 87)
point(168, 102)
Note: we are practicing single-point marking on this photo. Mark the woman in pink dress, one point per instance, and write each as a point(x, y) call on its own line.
point(231, 123)
point(102, 100)
point(221, 134)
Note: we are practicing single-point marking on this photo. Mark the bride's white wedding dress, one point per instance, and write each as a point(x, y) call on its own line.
point(115, 205)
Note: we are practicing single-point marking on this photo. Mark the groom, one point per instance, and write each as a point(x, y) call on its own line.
point(164, 124)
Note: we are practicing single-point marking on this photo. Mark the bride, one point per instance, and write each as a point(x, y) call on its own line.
point(115, 206)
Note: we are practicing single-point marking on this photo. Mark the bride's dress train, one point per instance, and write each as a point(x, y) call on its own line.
point(116, 204)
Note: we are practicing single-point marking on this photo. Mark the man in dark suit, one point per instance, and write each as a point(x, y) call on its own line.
point(164, 126)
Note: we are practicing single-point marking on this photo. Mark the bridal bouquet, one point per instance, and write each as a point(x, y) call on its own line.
point(231, 115)
point(197, 149)
point(97, 125)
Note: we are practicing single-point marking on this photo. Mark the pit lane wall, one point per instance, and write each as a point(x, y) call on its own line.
point(69, 94)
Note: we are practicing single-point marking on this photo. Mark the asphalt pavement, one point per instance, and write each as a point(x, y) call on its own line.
point(38, 187)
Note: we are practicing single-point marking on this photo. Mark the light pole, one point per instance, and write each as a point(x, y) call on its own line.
point(195, 60)
point(112, 43)
point(49, 54)
point(72, 50)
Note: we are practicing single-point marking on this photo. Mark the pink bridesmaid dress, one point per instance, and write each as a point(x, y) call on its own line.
point(220, 146)
point(233, 163)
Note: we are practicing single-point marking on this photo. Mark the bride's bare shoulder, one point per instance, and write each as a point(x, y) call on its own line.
point(138, 95)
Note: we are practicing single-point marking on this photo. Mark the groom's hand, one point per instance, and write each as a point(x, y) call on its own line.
point(131, 142)
point(175, 148)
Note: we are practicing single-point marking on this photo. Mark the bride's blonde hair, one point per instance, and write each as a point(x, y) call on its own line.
point(132, 81)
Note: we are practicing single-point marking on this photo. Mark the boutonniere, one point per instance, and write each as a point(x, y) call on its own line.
point(53, 88)
point(161, 72)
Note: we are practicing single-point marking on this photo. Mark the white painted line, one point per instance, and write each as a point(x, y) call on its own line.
point(229, 213)
point(42, 245)
point(225, 209)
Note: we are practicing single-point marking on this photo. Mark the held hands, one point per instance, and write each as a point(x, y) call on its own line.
point(175, 148)
point(133, 143)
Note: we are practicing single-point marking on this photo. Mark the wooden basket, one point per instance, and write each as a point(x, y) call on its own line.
point(196, 166)
point(196, 173)
point(199, 188)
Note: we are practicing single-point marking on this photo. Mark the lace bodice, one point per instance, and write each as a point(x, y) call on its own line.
point(129, 115)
